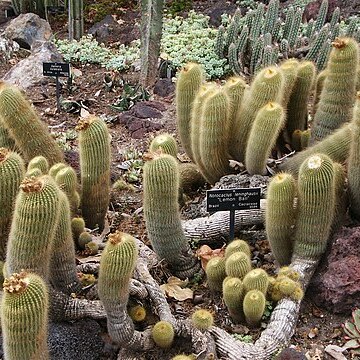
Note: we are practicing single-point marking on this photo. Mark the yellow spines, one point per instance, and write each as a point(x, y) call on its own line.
point(163, 334)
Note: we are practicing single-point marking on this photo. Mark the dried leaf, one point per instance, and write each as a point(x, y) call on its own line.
point(335, 352)
point(205, 253)
point(174, 288)
point(84, 113)
point(313, 333)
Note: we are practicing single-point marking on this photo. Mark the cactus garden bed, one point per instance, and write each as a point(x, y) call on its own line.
point(134, 117)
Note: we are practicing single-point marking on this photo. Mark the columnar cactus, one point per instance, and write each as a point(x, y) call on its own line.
point(215, 273)
point(337, 96)
point(188, 83)
point(254, 306)
point(262, 138)
point(30, 134)
point(166, 143)
point(117, 264)
point(24, 317)
point(280, 216)
point(266, 87)
point(33, 227)
point(256, 279)
point(233, 295)
point(94, 147)
point(63, 274)
point(289, 69)
point(66, 178)
point(237, 265)
point(316, 187)
point(214, 132)
point(12, 171)
point(162, 217)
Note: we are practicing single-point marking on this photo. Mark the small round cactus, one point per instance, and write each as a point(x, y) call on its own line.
point(256, 279)
point(287, 286)
point(163, 334)
point(166, 143)
point(254, 306)
point(39, 162)
point(237, 265)
point(77, 227)
point(137, 313)
point(215, 273)
point(84, 239)
point(183, 357)
point(202, 319)
point(237, 245)
point(91, 248)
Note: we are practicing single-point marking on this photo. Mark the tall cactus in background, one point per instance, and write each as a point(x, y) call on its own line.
point(24, 317)
point(338, 95)
point(12, 171)
point(76, 19)
point(151, 32)
point(188, 84)
point(162, 217)
point(31, 135)
point(94, 147)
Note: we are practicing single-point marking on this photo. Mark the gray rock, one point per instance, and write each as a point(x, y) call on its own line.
point(164, 87)
point(28, 72)
point(7, 48)
point(28, 30)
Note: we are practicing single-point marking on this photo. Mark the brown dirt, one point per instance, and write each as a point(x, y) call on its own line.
point(316, 327)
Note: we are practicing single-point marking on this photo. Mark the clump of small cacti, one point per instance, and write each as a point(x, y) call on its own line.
point(202, 319)
point(30, 134)
point(84, 239)
point(163, 334)
point(94, 147)
point(24, 317)
point(215, 273)
point(77, 227)
point(12, 170)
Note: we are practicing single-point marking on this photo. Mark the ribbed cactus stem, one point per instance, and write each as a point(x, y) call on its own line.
point(262, 138)
point(237, 265)
point(337, 97)
point(297, 106)
point(188, 84)
point(24, 317)
point(5, 140)
point(12, 171)
point(215, 273)
point(63, 273)
point(30, 134)
point(117, 264)
point(354, 164)
point(237, 245)
point(233, 294)
point(95, 158)
point(33, 227)
point(256, 279)
point(166, 142)
point(320, 20)
point(66, 178)
point(55, 169)
point(214, 136)
point(254, 306)
point(162, 217)
point(280, 216)
point(39, 162)
point(266, 87)
point(316, 188)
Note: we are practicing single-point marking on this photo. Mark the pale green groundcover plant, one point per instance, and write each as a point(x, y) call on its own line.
point(184, 40)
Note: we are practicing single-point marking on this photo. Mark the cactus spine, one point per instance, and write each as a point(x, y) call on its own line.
point(63, 274)
point(214, 133)
point(33, 227)
point(266, 87)
point(94, 147)
point(254, 306)
point(12, 170)
point(188, 83)
point(166, 143)
point(161, 211)
point(316, 187)
point(30, 134)
point(264, 132)
point(337, 96)
point(280, 216)
point(24, 317)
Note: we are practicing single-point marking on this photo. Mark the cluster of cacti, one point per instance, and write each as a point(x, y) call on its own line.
point(260, 38)
point(162, 217)
point(24, 317)
point(243, 288)
point(302, 228)
point(12, 171)
point(94, 148)
point(30, 134)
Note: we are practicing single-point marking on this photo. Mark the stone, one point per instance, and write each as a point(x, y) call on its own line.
point(28, 72)
point(164, 88)
point(291, 354)
point(7, 49)
point(219, 8)
point(336, 284)
point(103, 29)
point(146, 110)
point(28, 30)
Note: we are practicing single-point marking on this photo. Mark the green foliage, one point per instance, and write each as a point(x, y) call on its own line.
point(130, 96)
point(244, 338)
point(173, 7)
point(352, 333)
